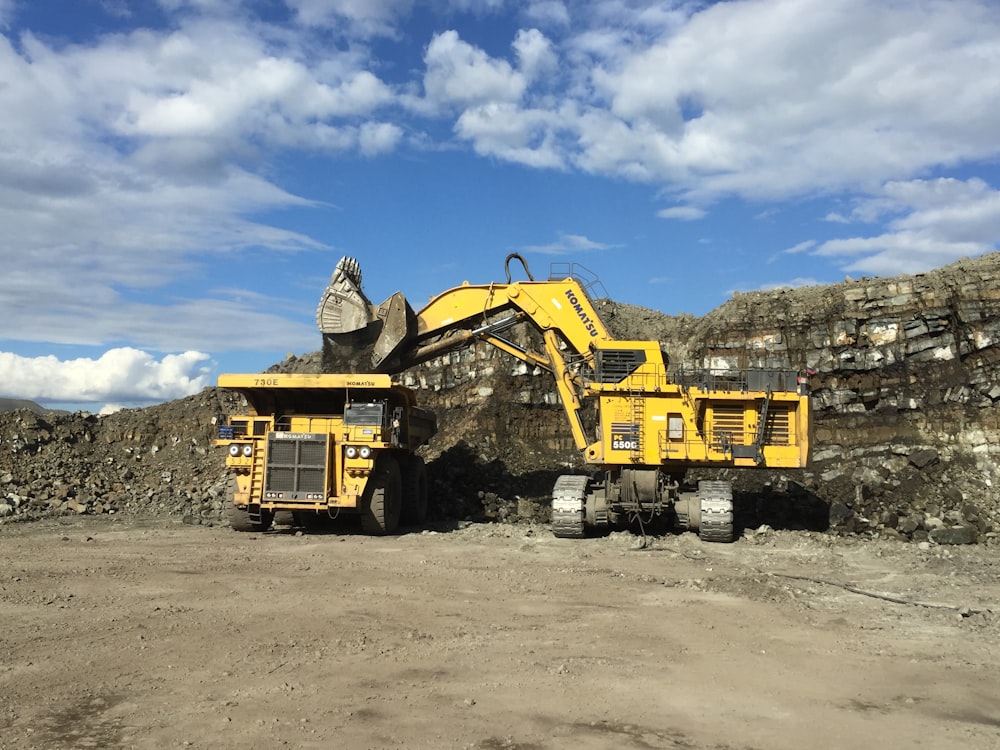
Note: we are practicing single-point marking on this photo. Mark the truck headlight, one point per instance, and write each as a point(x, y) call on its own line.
point(365, 451)
point(234, 450)
point(351, 452)
point(248, 450)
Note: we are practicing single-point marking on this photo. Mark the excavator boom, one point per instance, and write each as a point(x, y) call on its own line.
point(459, 316)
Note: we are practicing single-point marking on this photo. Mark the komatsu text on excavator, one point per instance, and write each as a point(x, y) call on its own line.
point(653, 422)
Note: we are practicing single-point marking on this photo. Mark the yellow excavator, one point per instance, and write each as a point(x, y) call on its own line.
point(653, 422)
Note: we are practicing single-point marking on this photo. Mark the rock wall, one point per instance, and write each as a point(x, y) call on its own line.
point(905, 390)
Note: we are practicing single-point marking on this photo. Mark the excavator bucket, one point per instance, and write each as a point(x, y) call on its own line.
point(346, 317)
point(398, 325)
point(344, 308)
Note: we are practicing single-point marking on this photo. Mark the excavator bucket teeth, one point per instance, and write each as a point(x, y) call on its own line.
point(398, 325)
point(344, 308)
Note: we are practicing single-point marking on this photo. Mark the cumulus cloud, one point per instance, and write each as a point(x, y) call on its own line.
point(535, 53)
point(722, 100)
point(124, 375)
point(459, 73)
point(365, 17)
point(548, 12)
point(684, 213)
point(518, 135)
point(132, 160)
point(934, 223)
point(731, 103)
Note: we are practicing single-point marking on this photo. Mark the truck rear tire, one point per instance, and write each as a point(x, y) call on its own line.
point(382, 500)
point(414, 512)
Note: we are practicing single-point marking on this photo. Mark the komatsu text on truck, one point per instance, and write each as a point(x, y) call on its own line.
point(653, 422)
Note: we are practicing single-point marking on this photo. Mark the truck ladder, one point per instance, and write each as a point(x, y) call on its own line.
point(256, 489)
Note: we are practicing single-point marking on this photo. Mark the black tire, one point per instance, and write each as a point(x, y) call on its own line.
point(239, 518)
point(414, 512)
point(382, 501)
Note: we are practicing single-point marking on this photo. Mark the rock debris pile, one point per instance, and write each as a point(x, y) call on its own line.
point(906, 387)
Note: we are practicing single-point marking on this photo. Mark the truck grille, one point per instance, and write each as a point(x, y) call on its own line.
point(296, 463)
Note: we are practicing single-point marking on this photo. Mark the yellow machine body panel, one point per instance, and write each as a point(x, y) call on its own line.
point(677, 428)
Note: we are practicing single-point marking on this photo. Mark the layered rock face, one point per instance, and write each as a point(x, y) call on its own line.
point(905, 396)
point(905, 390)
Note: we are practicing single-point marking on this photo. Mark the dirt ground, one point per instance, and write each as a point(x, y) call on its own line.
point(126, 634)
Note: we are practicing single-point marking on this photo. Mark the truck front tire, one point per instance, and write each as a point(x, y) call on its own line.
point(381, 503)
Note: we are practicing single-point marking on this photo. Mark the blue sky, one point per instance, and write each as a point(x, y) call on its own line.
point(178, 178)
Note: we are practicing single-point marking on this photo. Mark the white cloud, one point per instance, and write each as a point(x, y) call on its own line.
point(801, 247)
point(683, 213)
point(534, 52)
point(517, 135)
point(723, 100)
point(365, 17)
point(241, 95)
point(548, 12)
point(121, 175)
point(566, 244)
point(378, 137)
point(735, 103)
point(126, 375)
point(936, 222)
point(460, 73)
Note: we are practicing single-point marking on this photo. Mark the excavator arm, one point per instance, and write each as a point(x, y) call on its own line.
point(558, 308)
point(649, 417)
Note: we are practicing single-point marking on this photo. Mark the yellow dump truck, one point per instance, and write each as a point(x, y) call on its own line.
point(322, 446)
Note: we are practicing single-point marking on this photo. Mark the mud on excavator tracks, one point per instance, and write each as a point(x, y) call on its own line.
point(654, 423)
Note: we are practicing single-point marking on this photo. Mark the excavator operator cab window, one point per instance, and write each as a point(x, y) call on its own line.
point(364, 413)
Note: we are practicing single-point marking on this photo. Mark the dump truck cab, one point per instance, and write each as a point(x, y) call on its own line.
point(325, 445)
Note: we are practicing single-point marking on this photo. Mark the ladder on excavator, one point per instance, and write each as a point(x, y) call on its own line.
point(638, 403)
